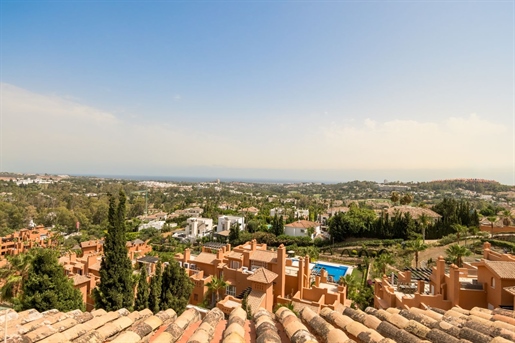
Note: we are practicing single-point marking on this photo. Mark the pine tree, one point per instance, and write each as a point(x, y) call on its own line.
point(176, 288)
point(141, 302)
point(47, 286)
point(154, 299)
point(115, 290)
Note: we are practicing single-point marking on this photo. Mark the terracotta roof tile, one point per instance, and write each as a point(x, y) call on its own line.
point(505, 270)
point(254, 299)
point(264, 256)
point(348, 325)
point(78, 279)
point(204, 257)
point(303, 224)
point(263, 275)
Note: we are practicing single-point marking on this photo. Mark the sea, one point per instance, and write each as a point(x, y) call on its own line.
point(190, 179)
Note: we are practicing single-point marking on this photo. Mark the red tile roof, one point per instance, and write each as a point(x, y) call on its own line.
point(263, 275)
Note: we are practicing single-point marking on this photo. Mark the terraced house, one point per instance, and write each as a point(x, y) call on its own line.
point(267, 277)
point(25, 239)
point(488, 283)
point(84, 269)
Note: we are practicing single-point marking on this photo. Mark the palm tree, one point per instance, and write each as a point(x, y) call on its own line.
point(456, 253)
point(492, 220)
point(350, 281)
point(382, 261)
point(506, 217)
point(461, 230)
point(216, 285)
point(423, 219)
point(416, 246)
point(394, 197)
point(15, 272)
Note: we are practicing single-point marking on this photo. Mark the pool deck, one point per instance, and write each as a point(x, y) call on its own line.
point(295, 263)
point(349, 268)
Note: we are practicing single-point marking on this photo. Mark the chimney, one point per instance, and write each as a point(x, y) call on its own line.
point(300, 277)
point(454, 285)
point(281, 262)
point(486, 250)
point(228, 247)
point(440, 274)
point(307, 271)
point(186, 254)
point(253, 245)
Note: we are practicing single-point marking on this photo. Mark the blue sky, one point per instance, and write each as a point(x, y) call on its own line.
point(329, 91)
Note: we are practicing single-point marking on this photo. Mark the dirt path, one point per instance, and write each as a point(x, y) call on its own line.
point(435, 251)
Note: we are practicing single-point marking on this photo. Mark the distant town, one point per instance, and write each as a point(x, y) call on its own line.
point(332, 261)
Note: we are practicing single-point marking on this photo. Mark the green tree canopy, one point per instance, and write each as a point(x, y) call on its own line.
point(216, 285)
point(456, 253)
point(416, 246)
point(176, 288)
point(141, 302)
point(154, 300)
point(14, 273)
point(47, 286)
point(115, 290)
point(357, 221)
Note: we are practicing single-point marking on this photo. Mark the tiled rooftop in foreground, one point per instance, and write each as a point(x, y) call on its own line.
point(344, 325)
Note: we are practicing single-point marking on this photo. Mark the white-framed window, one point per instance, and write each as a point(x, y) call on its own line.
point(230, 290)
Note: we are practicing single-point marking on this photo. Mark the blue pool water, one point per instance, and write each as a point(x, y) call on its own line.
point(335, 271)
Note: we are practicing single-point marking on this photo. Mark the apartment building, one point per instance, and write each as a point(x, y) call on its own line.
point(84, 270)
point(268, 277)
point(488, 283)
point(25, 239)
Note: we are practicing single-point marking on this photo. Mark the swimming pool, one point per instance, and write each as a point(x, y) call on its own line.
point(334, 270)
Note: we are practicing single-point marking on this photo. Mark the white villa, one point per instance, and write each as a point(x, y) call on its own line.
point(300, 228)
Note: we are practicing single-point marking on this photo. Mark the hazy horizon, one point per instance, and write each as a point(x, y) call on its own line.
point(408, 91)
point(275, 176)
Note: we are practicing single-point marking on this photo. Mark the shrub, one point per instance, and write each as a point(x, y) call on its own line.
point(448, 239)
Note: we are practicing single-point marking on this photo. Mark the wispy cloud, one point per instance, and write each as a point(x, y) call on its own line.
point(46, 132)
point(54, 132)
point(455, 142)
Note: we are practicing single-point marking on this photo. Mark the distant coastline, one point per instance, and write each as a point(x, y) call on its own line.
point(195, 179)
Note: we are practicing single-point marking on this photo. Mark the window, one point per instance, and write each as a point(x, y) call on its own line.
point(235, 264)
point(258, 264)
point(302, 230)
point(195, 297)
point(230, 290)
point(492, 282)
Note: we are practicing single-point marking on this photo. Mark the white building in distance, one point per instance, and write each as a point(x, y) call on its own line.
point(198, 227)
point(225, 222)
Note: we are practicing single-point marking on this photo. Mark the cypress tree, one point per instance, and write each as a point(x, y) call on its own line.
point(143, 291)
point(234, 232)
point(275, 223)
point(115, 290)
point(47, 287)
point(154, 299)
point(280, 226)
point(176, 288)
